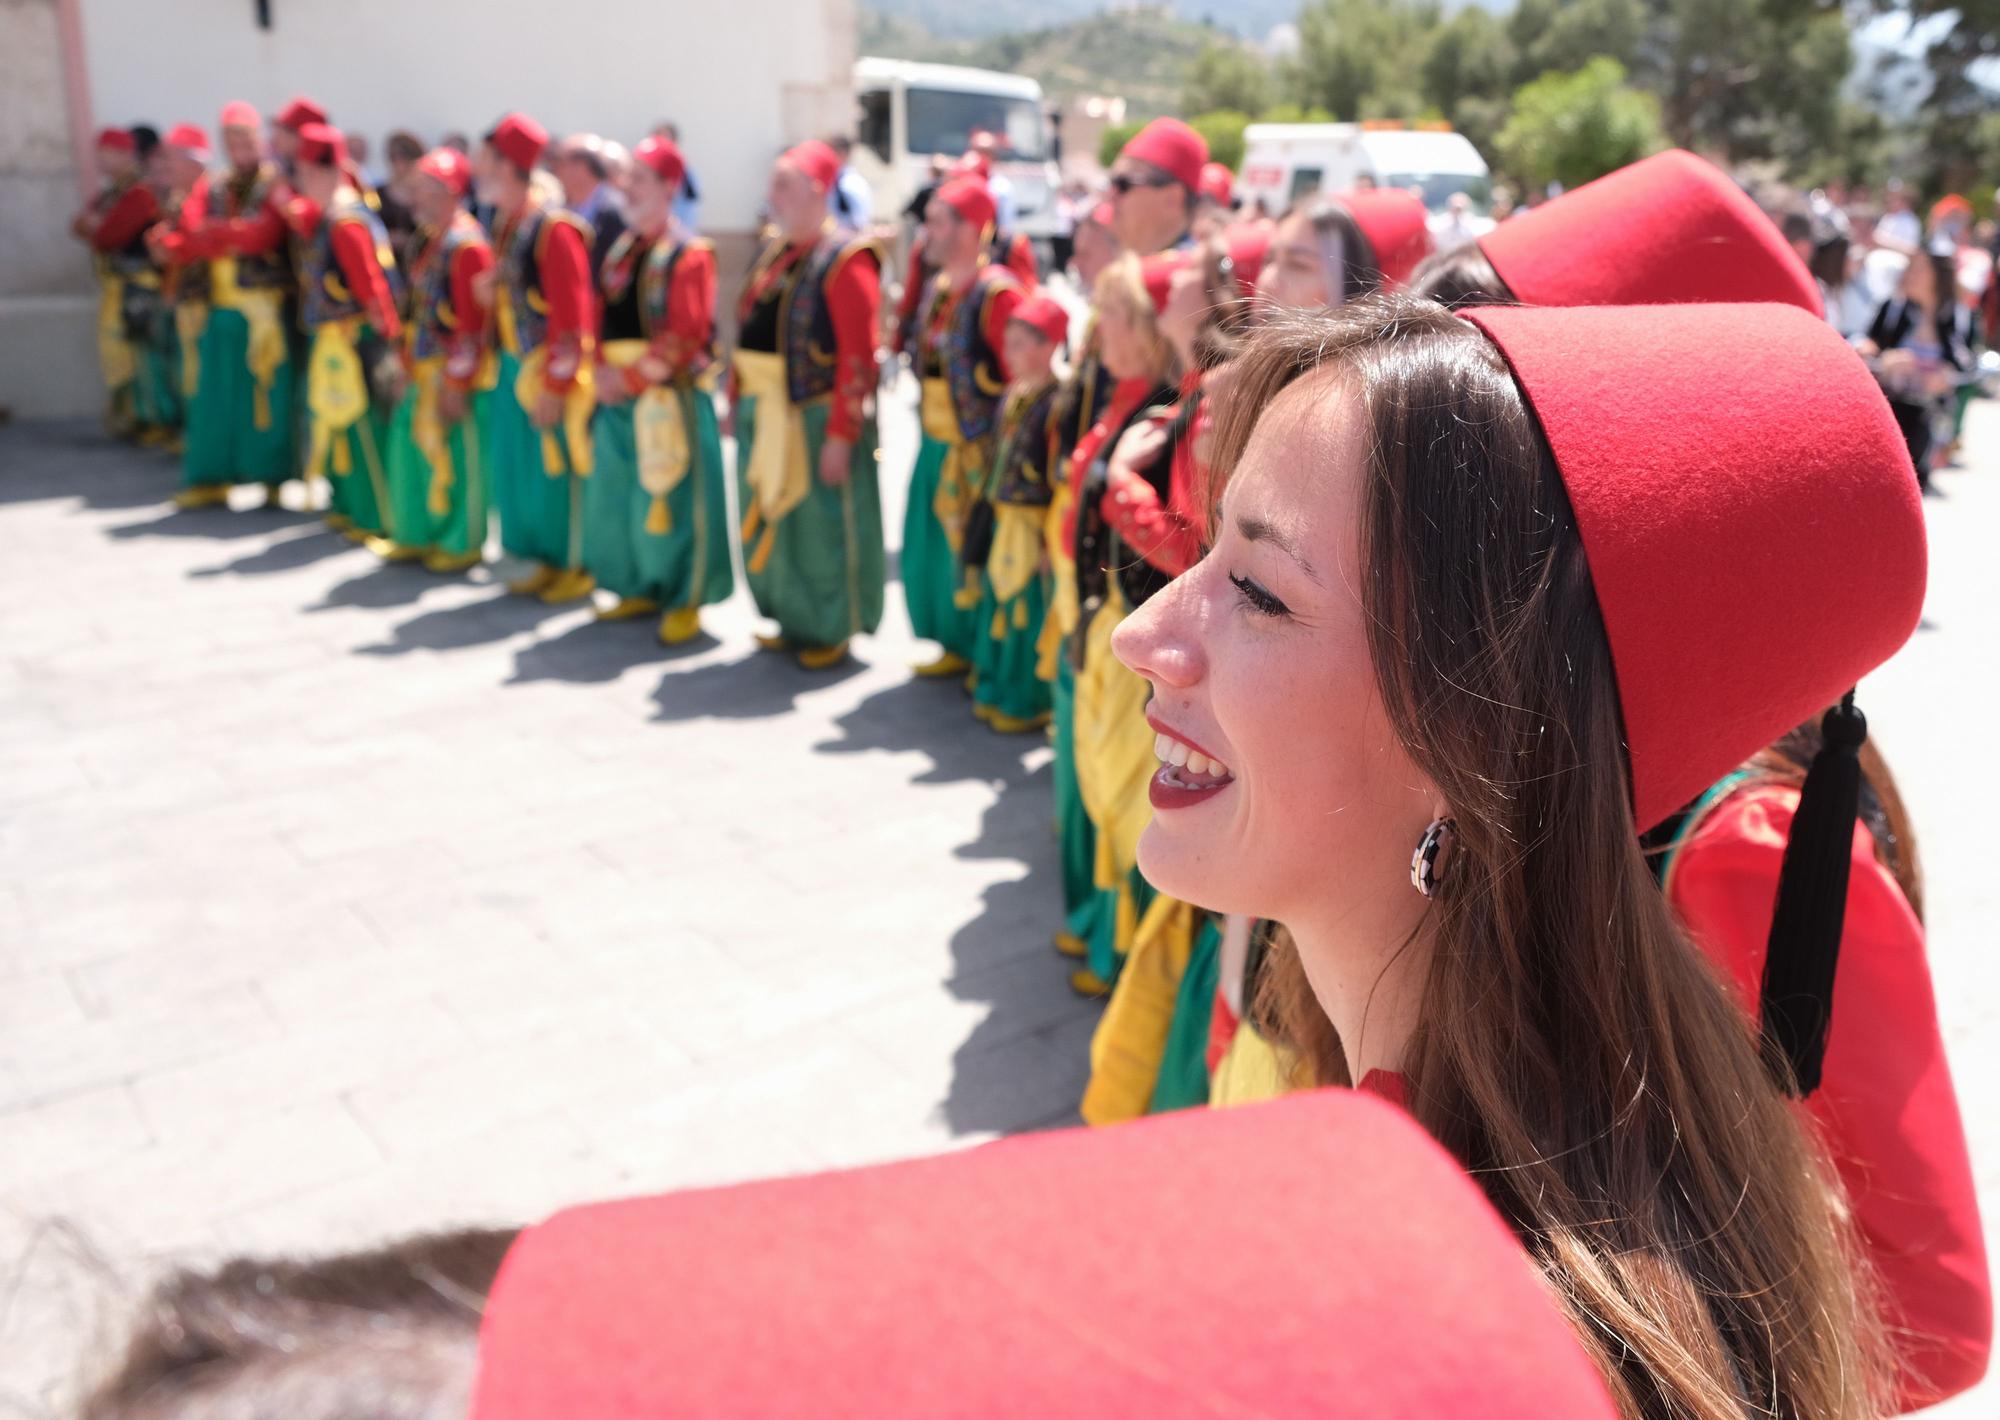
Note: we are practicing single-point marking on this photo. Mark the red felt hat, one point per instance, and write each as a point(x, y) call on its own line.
point(1396, 225)
point(118, 138)
point(239, 114)
point(1952, 204)
point(1218, 184)
point(520, 140)
point(1046, 314)
point(447, 166)
point(298, 113)
point(191, 138)
point(323, 145)
point(972, 1285)
point(1157, 272)
point(1665, 229)
point(1173, 148)
point(1748, 512)
point(973, 162)
point(1248, 244)
point(971, 199)
point(816, 161)
point(664, 159)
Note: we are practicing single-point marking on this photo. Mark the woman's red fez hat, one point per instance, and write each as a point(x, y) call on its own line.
point(1665, 229)
point(974, 162)
point(1156, 274)
point(298, 113)
point(971, 199)
point(239, 114)
point(1396, 225)
point(520, 140)
point(1173, 148)
point(448, 166)
point(971, 1285)
point(816, 161)
point(323, 145)
point(119, 138)
point(1748, 512)
point(664, 158)
point(1249, 244)
point(1218, 184)
point(192, 138)
point(1046, 314)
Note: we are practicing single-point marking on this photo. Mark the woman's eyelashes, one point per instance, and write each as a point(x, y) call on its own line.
point(1259, 600)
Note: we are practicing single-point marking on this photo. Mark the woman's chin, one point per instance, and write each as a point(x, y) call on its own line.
point(1175, 862)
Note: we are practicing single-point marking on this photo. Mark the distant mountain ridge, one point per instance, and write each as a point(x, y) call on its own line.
point(973, 19)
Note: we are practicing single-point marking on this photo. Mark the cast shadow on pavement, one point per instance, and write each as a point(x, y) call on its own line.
point(285, 555)
point(383, 586)
point(46, 460)
point(456, 628)
point(597, 652)
point(752, 687)
point(1025, 1064)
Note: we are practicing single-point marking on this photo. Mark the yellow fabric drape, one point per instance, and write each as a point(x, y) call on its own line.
point(427, 430)
point(660, 435)
point(578, 403)
point(778, 476)
point(1114, 761)
point(1064, 612)
point(114, 351)
point(190, 323)
point(1016, 558)
point(1131, 1040)
point(1252, 1069)
point(958, 485)
point(263, 310)
point(336, 395)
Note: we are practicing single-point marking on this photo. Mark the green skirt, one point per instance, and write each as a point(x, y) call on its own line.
point(459, 526)
point(1183, 1079)
point(362, 494)
point(678, 554)
point(821, 576)
point(224, 443)
point(1074, 830)
point(1004, 653)
point(541, 513)
point(158, 387)
point(929, 566)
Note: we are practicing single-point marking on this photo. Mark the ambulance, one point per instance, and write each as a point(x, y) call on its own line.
point(1283, 162)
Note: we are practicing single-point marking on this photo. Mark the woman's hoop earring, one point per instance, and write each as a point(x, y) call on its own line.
point(1428, 864)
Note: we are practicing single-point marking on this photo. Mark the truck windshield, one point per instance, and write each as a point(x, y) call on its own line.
point(944, 120)
point(1436, 188)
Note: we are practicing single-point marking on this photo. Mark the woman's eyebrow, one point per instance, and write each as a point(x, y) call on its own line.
point(1255, 529)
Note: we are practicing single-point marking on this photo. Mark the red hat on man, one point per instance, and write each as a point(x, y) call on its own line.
point(239, 114)
point(1218, 184)
point(1248, 244)
point(449, 167)
point(119, 138)
point(1173, 148)
point(1046, 314)
point(1665, 229)
point(190, 138)
point(323, 145)
point(520, 140)
point(299, 112)
point(1396, 225)
point(664, 159)
point(815, 160)
point(971, 199)
point(973, 162)
point(1156, 272)
point(971, 1285)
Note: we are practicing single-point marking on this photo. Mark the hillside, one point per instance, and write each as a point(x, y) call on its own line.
point(1142, 57)
point(972, 19)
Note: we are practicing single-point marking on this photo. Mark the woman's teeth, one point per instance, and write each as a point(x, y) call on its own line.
point(1171, 751)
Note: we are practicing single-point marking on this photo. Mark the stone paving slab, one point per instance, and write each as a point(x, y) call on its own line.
point(341, 900)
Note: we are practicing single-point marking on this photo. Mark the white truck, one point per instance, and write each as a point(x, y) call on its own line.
point(1283, 162)
point(910, 112)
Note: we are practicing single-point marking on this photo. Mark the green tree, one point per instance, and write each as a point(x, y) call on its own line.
point(1226, 77)
point(1359, 58)
point(1573, 127)
point(1223, 131)
point(1466, 74)
point(1567, 34)
point(1294, 113)
point(1955, 151)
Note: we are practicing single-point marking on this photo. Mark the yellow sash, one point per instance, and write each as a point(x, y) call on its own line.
point(190, 321)
point(1064, 612)
point(427, 430)
point(1131, 1039)
point(777, 474)
point(1114, 757)
point(958, 485)
point(263, 310)
point(114, 351)
point(1016, 558)
point(577, 406)
point(336, 395)
point(660, 434)
point(1252, 1069)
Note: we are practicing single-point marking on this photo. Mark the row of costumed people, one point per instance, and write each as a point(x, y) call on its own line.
point(1580, 1190)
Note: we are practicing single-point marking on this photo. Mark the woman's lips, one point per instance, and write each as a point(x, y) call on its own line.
point(1187, 774)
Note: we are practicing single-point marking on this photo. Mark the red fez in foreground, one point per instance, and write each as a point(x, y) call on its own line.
point(298, 113)
point(816, 161)
point(323, 145)
point(1218, 184)
point(238, 114)
point(1952, 204)
point(1248, 245)
point(448, 166)
point(118, 138)
point(974, 162)
point(1396, 225)
point(1173, 148)
point(1157, 274)
point(971, 199)
point(1046, 314)
point(1665, 229)
point(190, 138)
point(520, 140)
point(1748, 511)
point(664, 159)
point(972, 1285)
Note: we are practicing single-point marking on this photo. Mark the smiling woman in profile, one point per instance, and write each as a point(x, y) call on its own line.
point(1473, 616)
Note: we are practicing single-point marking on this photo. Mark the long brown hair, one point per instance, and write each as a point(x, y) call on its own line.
point(1573, 1049)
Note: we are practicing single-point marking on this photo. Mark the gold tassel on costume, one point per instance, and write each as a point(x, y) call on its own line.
point(190, 322)
point(999, 628)
point(263, 311)
point(659, 522)
point(751, 521)
point(336, 396)
point(579, 402)
point(762, 557)
point(114, 351)
point(777, 475)
point(1020, 616)
point(428, 433)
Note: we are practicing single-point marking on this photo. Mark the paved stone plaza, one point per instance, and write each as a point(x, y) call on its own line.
point(342, 899)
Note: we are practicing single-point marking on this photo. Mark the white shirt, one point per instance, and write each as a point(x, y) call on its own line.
point(1900, 227)
point(860, 202)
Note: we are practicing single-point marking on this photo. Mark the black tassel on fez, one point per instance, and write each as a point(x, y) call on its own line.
point(1804, 947)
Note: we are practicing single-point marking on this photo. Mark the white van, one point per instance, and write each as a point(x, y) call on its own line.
point(1283, 162)
point(911, 111)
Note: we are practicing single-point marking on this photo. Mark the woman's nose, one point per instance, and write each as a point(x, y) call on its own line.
point(1156, 640)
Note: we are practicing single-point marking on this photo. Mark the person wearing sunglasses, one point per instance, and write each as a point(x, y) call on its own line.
point(1155, 186)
